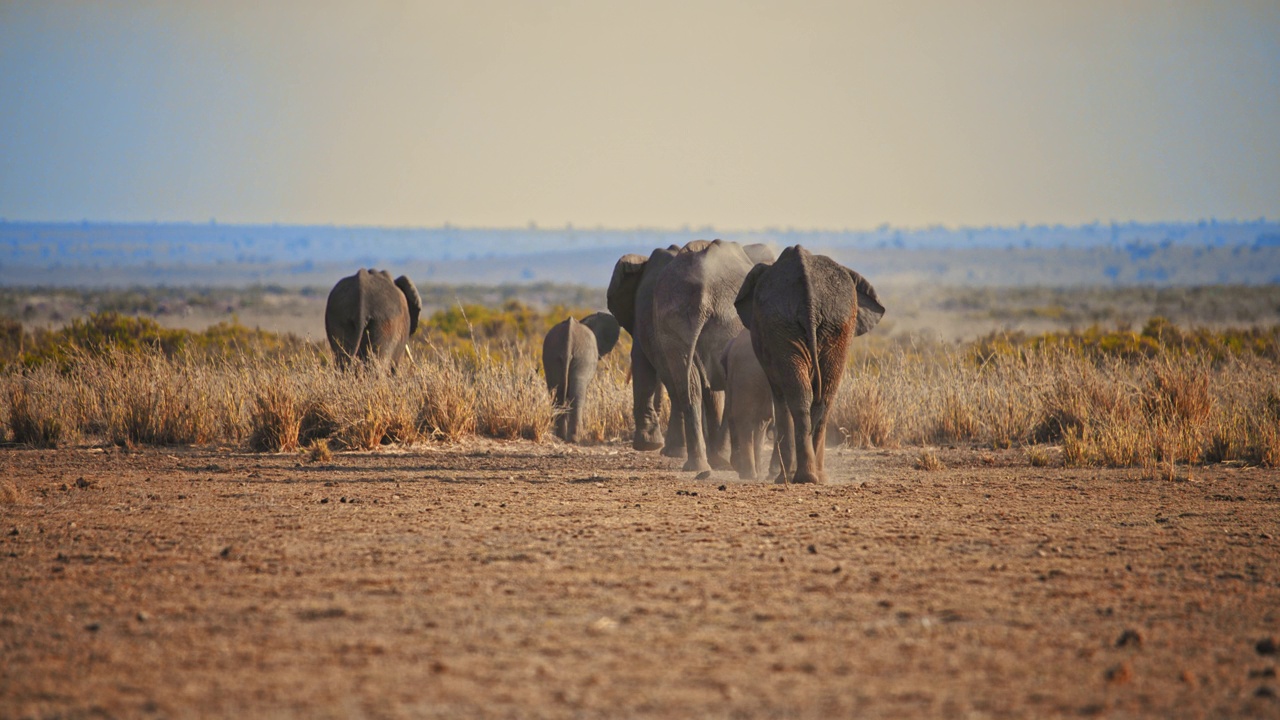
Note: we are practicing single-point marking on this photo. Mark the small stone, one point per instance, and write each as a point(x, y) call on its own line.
point(1119, 674)
point(143, 616)
point(1266, 646)
point(1129, 637)
point(1264, 692)
point(93, 627)
point(602, 625)
point(324, 501)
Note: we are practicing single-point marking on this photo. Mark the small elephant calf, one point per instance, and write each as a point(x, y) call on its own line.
point(569, 356)
point(369, 318)
point(748, 406)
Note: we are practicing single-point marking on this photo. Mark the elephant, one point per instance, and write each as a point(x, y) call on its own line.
point(630, 299)
point(369, 318)
point(570, 352)
point(802, 312)
point(695, 319)
point(748, 406)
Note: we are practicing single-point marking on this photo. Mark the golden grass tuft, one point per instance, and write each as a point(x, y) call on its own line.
point(318, 451)
point(1039, 456)
point(35, 403)
point(9, 493)
point(929, 461)
point(275, 421)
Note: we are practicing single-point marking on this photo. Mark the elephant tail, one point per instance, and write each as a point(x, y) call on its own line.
point(362, 327)
point(815, 365)
point(568, 359)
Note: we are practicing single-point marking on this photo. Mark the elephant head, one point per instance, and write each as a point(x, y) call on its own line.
point(630, 299)
point(802, 311)
point(624, 284)
point(369, 317)
point(570, 352)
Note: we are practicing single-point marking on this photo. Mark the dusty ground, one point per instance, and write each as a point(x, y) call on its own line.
point(530, 580)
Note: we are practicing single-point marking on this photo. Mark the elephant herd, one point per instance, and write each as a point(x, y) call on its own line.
point(736, 338)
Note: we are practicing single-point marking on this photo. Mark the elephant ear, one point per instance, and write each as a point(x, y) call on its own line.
point(869, 308)
point(415, 301)
point(622, 289)
point(747, 294)
point(759, 253)
point(606, 329)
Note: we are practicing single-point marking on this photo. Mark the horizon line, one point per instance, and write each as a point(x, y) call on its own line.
point(686, 228)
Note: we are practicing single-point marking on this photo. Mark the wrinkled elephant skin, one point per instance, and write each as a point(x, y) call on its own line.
point(802, 312)
point(570, 352)
point(369, 318)
point(630, 299)
point(695, 318)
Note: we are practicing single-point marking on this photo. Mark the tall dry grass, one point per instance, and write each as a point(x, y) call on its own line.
point(1150, 412)
point(1150, 406)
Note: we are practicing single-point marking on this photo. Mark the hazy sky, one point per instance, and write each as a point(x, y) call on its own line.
point(738, 114)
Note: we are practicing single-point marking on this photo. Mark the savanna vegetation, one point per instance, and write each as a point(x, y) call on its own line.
point(1164, 398)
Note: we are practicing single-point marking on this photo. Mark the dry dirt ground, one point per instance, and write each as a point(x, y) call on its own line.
point(540, 580)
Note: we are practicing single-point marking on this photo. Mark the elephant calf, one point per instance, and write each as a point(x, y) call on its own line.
point(802, 311)
point(570, 352)
point(369, 317)
point(748, 406)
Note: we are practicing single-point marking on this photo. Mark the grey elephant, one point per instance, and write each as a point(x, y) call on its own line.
point(802, 312)
point(748, 406)
point(570, 352)
point(695, 319)
point(369, 318)
point(630, 299)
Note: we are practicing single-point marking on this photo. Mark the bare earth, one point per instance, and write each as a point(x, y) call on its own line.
point(540, 580)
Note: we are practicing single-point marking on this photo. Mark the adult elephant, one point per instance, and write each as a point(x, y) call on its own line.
point(695, 319)
point(570, 352)
point(802, 311)
point(369, 317)
point(630, 299)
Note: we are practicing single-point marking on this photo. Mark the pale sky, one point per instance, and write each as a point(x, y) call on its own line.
point(738, 114)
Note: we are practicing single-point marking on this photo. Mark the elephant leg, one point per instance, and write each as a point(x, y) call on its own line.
point(580, 378)
point(695, 448)
point(740, 441)
point(646, 394)
point(573, 423)
point(674, 436)
point(806, 459)
point(799, 407)
point(756, 444)
point(687, 395)
point(718, 452)
point(831, 361)
point(784, 437)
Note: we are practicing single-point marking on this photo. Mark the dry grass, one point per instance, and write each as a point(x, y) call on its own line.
point(929, 461)
point(1159, 411)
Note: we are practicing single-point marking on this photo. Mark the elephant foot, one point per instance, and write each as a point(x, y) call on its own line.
point(805, 478)
point(747, 475)
point(696, 465)
point(645, 445)
point(720, 463)
point(673, 451)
